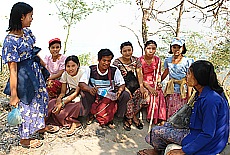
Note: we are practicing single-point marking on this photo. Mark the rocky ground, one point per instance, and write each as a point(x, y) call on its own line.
point(92, 140)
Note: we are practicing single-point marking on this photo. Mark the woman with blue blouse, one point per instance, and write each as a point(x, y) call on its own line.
point(27, 84)
point(209, 122)
point(176, 67)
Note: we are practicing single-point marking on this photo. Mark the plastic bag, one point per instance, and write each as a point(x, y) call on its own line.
point(14, 117)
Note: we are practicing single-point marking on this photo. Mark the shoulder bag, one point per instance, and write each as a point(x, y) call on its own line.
point(131, 81)
point(181, 118)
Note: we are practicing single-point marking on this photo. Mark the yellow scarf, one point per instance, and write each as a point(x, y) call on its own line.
point(170, 87)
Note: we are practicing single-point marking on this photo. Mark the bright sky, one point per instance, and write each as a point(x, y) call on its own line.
point(99, 30)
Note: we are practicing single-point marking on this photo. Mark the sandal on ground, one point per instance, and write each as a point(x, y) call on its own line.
point(90, 120)
point(111, 125)
point(138, 124)
point(71, 132)
point(127, 124)
point(52, 129)
point(148, 152)
point(32, 144)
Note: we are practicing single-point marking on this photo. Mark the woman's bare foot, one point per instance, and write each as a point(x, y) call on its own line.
point(73, 129)
point(30, 143)
point(148, 152)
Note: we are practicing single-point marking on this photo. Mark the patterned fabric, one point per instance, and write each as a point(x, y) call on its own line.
point(149, 76)
point(174, 103)
point(16, 49)
point(161, 136)
point(135, 103)
point(53, 88)
point(130, 67)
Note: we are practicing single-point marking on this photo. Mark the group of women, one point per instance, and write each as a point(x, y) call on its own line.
point(57, 101)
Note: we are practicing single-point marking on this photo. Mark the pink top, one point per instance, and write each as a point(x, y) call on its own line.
point(150, 70)
point(54, 67)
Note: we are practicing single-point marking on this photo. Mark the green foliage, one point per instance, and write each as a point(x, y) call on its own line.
point(84, 59)
point(197, 46)
point(73, 11)
point(220, 56)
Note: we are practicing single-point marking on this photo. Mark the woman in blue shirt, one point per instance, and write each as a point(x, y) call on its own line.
point(209, 123)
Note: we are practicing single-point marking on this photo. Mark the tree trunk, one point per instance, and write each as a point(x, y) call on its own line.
point(179, 18)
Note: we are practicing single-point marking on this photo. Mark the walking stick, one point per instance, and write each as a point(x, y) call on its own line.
point(154, 97)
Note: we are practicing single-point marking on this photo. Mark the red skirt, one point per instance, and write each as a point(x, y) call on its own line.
point(54, 88)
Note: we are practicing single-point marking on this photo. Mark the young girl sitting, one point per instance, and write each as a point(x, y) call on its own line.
point(65, 110)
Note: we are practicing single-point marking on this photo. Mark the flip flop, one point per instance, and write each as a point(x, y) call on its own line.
point(148, 152)
point(33, 144)
point(76, 130)
point(52, 129)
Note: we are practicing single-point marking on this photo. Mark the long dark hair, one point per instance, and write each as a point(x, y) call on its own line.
point(17, 11)
point(205, 75)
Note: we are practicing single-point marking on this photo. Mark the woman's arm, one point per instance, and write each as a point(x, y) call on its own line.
point(150, 89)
point(55, 76)
point(140, 80)
point(165, 73)
point(13, 83)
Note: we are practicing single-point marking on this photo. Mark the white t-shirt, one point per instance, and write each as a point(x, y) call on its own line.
point(72, 81)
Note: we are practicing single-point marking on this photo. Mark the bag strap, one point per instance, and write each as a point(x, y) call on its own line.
point(192, 98)
point(125, 67)
point(123, 64)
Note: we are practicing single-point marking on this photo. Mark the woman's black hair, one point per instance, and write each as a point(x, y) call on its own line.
point(73, 58)
point(127, 43)
point(205, 75)
point(183, 52)
point(150, 42)
point(104, 52)
point(18, 10)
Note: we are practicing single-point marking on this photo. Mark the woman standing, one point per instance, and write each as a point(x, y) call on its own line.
point(17, 52)
point(176, 66)
point(127, 63)
point(64, 110)
point(151, 69)
point(55, 63)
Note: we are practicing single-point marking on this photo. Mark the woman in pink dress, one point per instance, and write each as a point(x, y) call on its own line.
point(55, 63)
point(151, 68)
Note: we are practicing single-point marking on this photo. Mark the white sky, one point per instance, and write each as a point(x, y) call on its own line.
point(99, 30)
